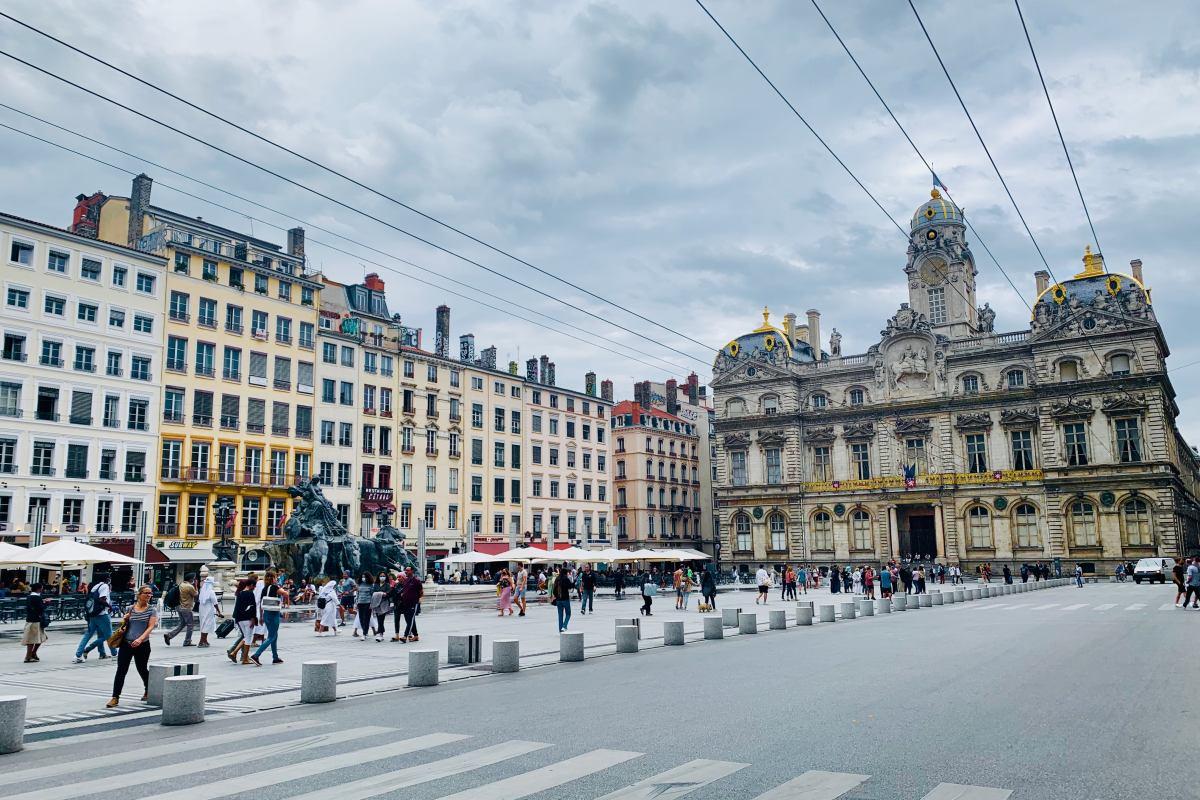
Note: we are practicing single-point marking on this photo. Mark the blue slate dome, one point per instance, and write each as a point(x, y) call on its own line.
point(937, 210)
point(770, 342)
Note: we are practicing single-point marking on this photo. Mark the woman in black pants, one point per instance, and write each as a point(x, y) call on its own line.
point(647, 599)
point(140, 622)
point(366, 588)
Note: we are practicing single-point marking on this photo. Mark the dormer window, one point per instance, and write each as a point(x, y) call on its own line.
point(970, 384)
point(1016, 379)
point(818, 401)
point(735, 407)
point(857, 396)
point(1119, 364)
point(770, 404)
point(1068, 371)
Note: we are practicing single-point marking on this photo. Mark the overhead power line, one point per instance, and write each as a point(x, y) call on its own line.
point(326, 168)
point(345, 205)
point(356, 256)
point(1058, 127)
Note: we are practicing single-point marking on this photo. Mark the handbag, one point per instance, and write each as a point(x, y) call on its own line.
point(650, 589)
point(322, 602)
point(118, 636)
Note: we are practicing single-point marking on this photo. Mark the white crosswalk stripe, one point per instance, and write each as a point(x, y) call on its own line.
point(1019, 605)
point(1135, 607)
point(675, 782)
point(271, 777)
point(995, 605)
point(1104, 606)
point(815, 785)
point(1045, 606)
point(1075, 606)
point(956, 791)
point(425, 773)
point(150, 754)
point(539, 780)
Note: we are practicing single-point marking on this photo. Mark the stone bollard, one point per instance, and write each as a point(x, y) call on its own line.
point(12, 723)
point(847, 610)
point(948, 596)
point(627, 639)
point(866, 608)
point(159, 672)
point(318, 682)
point(729, 617)
point(713, 628)
point(804, 604)
point(747, 623)
point(900, 602)
point(506, 655)
point(634, 621)
point(828, 613)
point(464, 649)
point(423, 667)
point(778, 619)
point(673, 632)
point(570, 647)
point(938, 599)
point(960, 595)
point(183, 700)
point(925, 600)
point(913, 602)
point(883, 605)
point(976, 594)
point(804, 615)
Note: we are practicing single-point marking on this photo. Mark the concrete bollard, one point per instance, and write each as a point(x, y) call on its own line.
point(948, 596)
point(866, 608)
point(828, 613)
point(926, 600)
point(12, 723)
point(729, 617)
point(318, 682)
point(183, 700)
point(464, 649)
point(634, 621)
point(960, 595)
point(804, 615)
point(778, 619)
point(506, 655)
point(938, 598)
point(847, 610)
point(627, 639)
point(913, 602)
point(673, 633)
point(747, 623)
point(713, 628)
point(570, 647)
point(900, 602)
point(423, 667)
point(804, 604)
point(159, 672)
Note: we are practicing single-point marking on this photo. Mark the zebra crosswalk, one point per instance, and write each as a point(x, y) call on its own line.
point(308, 759)
point(1006, 607)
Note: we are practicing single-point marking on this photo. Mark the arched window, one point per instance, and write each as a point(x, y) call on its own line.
point(778, 529)
point(1025, 519)
point(1016, 378)
point(741, 531)
point(735, 407)
point(1135, 515)
point(822, 531)
point(1068, 371)
point(1083, 524)
point(979, 523)
point(770, 404)
point(857, 396)
point(1119, 364)
point(860, 530)
point(818, 401)
point(970, 384)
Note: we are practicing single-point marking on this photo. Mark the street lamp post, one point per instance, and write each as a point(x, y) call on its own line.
point(226, 548)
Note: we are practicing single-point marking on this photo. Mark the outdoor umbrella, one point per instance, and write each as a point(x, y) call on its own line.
point(566, 554)
point(471, 558)
point(64, 554)
point(519, 554)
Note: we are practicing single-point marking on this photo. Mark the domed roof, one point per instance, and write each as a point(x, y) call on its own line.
point(936, 211)
point(770, 342)
point(1094, 284)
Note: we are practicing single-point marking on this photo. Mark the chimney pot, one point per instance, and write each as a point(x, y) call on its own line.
point(1135, 266)
point(295, 243)
point(789, 328)
point(814, 331)
point(1043, 280)
point(139, 204)
point(442, 333)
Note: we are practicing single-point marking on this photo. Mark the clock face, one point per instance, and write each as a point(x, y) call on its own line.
point(934, 270)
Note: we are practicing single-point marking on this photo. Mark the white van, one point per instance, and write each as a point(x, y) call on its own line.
point(1153, 570)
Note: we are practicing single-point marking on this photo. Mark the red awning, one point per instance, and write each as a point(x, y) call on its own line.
point(125, 548)
point(491, 548)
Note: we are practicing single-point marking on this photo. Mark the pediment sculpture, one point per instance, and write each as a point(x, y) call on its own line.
point(1116, 404)
point(1018, 416)
point(771, 438)
point(913, 425)
point(822, 433)
point(858, 430)
point(1072, 407)
point(973, 421)
point(734, 441)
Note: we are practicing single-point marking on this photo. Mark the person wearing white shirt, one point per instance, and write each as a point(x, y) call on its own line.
point(763, 579)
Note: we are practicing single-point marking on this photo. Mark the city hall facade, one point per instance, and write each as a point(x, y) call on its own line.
point(948, 440)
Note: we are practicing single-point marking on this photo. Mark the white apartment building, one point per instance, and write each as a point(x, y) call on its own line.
point(83, 331)
point(495, 456)
point(336, 457)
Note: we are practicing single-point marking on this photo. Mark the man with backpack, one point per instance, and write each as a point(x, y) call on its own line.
point(95, 612)
point(181, 598)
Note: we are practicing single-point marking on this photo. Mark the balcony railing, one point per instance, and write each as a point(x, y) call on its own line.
point(46, 416)
point(50, 361)
point(207, 322)
point(41, 471)
point(230, 423)
point(80, 420)
point(206, 370)
point(202, 420)
point(173, 416)
point(282, 384)
point(233, 328)
point(179, 316)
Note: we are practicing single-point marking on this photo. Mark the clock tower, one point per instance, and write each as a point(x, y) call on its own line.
point(941, 270)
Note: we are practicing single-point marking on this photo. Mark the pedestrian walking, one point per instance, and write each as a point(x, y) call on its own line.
point(708, 587)
point(245, 614)
point(1177, 575)
point(1079, 576)
point(362, 604)
point(504, 592)
point(619, 585)
point(184, 597)
point(328, 608)
point(139, 622)
point(587, 587)
point(208, 610)
point(649, 589)
point(1193, 584)
point(868, 581)
point(381, 605)
point(561, 595)
point(271, 604)
point(1007, 574)
point(522, 585)
point(763, 579)
point(835, 580)
point(35, 623)
point(99, 624)
point(410, 603)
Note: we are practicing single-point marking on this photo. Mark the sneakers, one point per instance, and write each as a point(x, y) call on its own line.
point(257, 663)
point(1179, 605)
point(78, 660)
point(166, 640)
point(379, 638)
point(112, 703)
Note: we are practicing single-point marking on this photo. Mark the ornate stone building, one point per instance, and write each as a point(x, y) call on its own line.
point(949, 440)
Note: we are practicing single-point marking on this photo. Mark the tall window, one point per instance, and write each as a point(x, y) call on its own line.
point(770, 404)
point(778, 530)
point(1119, 364)
point(1016, 379)
point(822, 464)
point(741, 528)
point(937, 305)
point(822, 531)
point(1025, 518)
point(976, 452)
point(1083, 524)
point(197, 514)
point(1129, 440)
point(737, 463)
point(1075, 437)
point(860, 530)
point(970, 384)
point(1022, 449)
point(1068, 371)
point(774, 465)
point(914, 454)
point(860, 460)
point(1135, 516)
point(979, 524)
point(857, 396)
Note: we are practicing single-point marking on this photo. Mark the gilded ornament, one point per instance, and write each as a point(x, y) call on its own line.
point(1114, 284)
point(769, 342)
point(733, 348)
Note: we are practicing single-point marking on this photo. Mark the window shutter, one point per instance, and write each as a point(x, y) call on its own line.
point(258, 369)
point(303, 420)
point(203, 404)
point(304, 376)
point(81, 407)
point(279, 416)
point(256, 413)
point(231, 405)
point(283, 370)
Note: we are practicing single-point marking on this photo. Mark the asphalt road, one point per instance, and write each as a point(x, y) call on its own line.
point(1056, 695)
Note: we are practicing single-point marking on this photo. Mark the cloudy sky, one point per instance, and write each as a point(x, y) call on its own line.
point(628, 148)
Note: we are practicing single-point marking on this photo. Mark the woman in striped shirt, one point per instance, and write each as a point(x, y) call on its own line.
point(140, 622)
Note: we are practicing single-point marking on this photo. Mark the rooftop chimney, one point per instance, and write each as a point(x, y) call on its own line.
point(1135, 266)
point(372, 281)
point(589, 384)
point(514, 368)
point(814, 331)
point(442, 334)
point(641, 393)
point(295, 245)
point(672, 396)
point(139, 204)
point(693, 390)
point(606, 390)
point(86, 219)
point(545, 370)
point(466, 348)
point(1043, 280)
point(789, 328)
point(531, 370)
point(487, 358)
point(549, 376)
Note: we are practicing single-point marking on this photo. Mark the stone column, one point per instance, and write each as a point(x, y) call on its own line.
point(893, 533)
point(939, 531)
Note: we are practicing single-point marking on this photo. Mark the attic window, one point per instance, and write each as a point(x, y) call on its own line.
point(1119, 364)
point(1068, 371)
